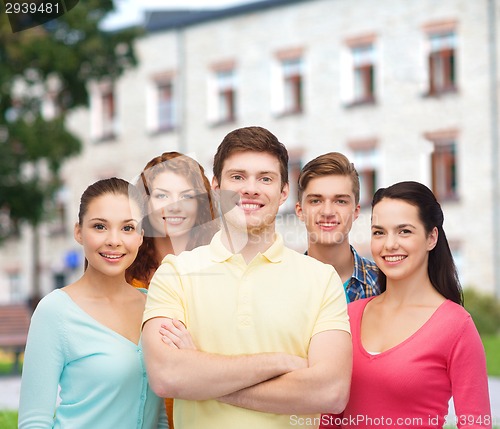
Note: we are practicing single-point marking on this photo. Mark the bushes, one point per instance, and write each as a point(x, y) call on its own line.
point(485, 311)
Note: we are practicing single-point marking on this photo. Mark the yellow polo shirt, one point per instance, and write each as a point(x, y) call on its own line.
point(276, 303)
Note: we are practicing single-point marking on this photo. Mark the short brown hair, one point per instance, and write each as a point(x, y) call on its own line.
point(332, 163)
point(251, 139)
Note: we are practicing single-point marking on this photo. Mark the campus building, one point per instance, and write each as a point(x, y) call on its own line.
point(408, 90)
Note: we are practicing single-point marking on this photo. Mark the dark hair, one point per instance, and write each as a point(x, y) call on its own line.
point(187, 167)
point(332, 163)
point(441, 267)
point(114, 186)
point(252, 139)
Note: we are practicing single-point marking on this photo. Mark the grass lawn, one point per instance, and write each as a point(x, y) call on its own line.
point(6, 362)
point(492, 348)
point(8, 419)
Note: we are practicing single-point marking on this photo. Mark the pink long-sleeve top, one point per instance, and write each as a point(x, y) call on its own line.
point(410, 385)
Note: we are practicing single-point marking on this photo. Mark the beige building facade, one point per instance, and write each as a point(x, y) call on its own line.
point(408, 90)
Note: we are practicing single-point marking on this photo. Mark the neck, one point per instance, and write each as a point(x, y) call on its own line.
point(417, 290)
point(338, 255)
point(247, 243)
point(98, 284)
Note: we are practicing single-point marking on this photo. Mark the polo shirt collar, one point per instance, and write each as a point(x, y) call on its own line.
point(220, 253)
point(275, 253)
point(218, 250)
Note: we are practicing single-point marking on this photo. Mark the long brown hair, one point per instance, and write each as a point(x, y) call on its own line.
point(441, 268)
point(205, 228)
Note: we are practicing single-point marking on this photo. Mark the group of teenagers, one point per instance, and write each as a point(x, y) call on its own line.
point(190, 293)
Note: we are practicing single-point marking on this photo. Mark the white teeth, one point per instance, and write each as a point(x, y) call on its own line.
point(111, 256)
point(328, 224)
point(250, 206)
point(173, 219)
point(394, 258)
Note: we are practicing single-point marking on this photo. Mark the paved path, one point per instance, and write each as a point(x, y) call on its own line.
point(10, 386)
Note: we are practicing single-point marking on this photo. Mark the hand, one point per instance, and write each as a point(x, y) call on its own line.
point(174, 334)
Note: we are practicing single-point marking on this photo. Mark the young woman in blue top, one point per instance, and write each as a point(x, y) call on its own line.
point(84, 339)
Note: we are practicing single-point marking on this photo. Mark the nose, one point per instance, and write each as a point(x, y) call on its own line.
point(327, 208)
point(113, 238)
point(174, 206)
point(391, 241)
point(250, 187)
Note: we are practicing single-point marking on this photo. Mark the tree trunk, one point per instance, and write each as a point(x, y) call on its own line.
point(36, 293)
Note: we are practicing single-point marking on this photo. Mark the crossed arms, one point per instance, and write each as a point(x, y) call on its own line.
point(269, 382)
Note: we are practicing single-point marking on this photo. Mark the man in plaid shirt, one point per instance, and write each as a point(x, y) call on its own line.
point(328, 204)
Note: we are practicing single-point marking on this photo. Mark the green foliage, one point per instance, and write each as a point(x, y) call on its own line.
point(71, 48)
point(59, 58)
point(53, 62)
point(8, 419)
point(485, 311)
point(492, 349)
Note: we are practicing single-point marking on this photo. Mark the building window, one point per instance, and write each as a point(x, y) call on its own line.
point(165, 113)
point(161, 110)
point(365, 159)
point(444, 162)
point(442, 63)
point(363, 59)
point(15, 287)
point(222, 89)
point(444, 171)
point(59, 218)
point(226, 95)
point(108, 114)
point(292, 85)
point(103, 105)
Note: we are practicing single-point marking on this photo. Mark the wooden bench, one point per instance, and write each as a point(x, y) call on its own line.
point(14, 324)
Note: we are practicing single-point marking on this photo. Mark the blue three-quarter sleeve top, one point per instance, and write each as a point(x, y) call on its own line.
point(101, 374)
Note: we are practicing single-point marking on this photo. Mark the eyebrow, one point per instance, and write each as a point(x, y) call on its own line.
point(100, 219)
point(273, 173)
point(181, 192)
point(346, 196)
point(401, 225)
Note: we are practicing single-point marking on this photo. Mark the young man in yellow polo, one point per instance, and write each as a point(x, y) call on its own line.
point(271, 345)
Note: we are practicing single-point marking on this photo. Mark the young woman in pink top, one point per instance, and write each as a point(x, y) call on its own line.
point(414, 345)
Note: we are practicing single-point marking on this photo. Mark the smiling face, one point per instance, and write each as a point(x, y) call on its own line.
point(172, 205)
point(110, 233)
point(251, 191)
point(328, 209)
point(400, 244)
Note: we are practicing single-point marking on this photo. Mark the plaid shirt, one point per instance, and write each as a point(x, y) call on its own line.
point(363, 282)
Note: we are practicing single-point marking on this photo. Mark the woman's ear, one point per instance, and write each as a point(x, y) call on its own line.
point(77, 233)
point(432, 239)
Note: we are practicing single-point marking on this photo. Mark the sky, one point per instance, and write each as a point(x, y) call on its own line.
point(131, 11)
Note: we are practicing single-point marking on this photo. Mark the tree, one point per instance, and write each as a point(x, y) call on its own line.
point(51, 63)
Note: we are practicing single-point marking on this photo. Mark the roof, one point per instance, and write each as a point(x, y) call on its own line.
point(161, 20)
